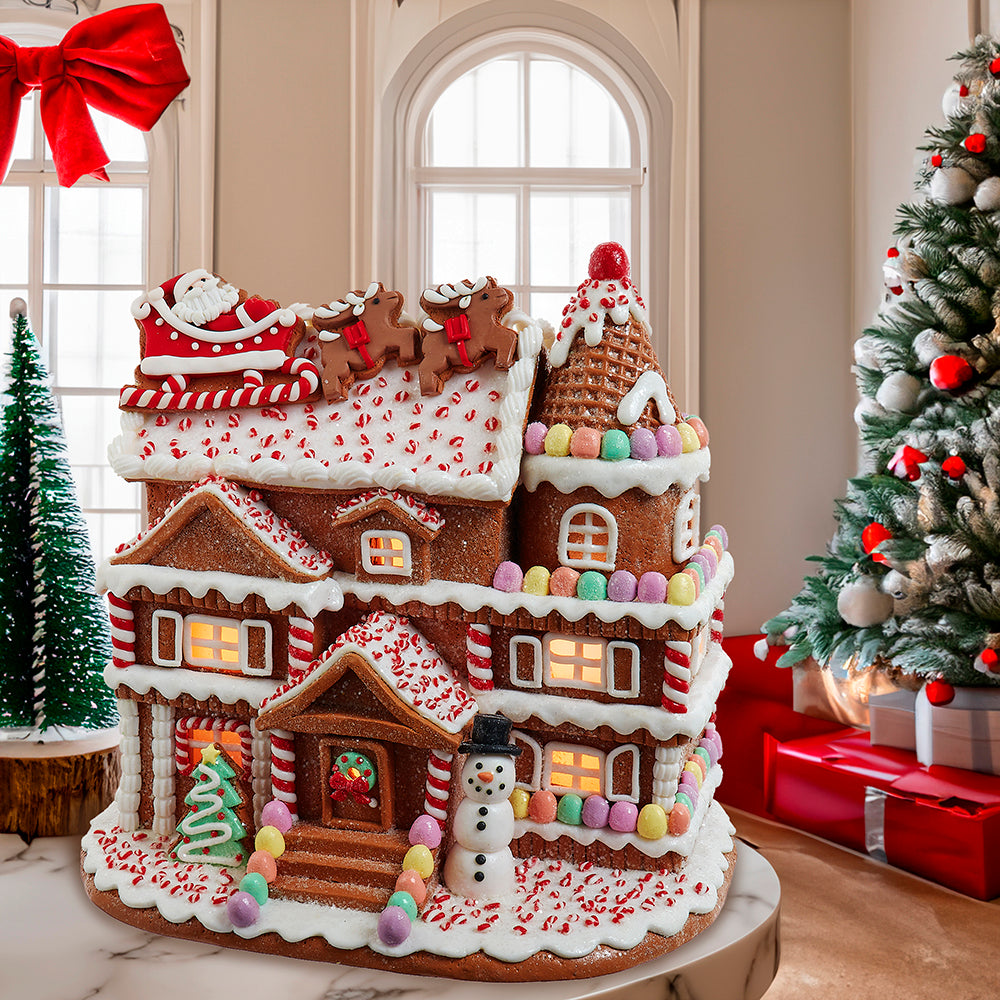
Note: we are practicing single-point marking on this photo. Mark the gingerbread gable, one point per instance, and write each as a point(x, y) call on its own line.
point(425, 521)
point(401, 669)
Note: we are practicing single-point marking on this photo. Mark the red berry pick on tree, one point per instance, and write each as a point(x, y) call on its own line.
point(608, 262)
point(975, 143)
point(953, 467)
point(939, 692)
point(950, 372)
point(872, 537)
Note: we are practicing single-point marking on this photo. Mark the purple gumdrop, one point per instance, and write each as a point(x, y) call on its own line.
point(276, 814)
point(623, 816)
point(710, 554)
point(622, 586)
point(393, 926)
point(712, 749)
point(534, 438)
point(595, 812)
point(708, 567)
point(643, 444)
point(425, 830)
point(668, 441)
point(652, 588)
point(688, 783)
point(721, 532)
point(242, 909)
point(508, 577)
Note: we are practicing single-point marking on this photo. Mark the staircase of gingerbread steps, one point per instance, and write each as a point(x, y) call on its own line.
point(352, 868)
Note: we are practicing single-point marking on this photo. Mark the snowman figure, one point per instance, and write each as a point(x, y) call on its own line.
point(480, 864)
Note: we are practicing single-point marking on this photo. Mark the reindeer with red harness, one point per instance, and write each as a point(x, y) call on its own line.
point(359, 334)
point(462, 329)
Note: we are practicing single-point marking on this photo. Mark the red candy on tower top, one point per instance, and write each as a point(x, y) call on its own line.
point(608, 262)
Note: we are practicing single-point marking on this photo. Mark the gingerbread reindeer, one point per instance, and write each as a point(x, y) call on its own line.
point(359, 334)
point(463, 329)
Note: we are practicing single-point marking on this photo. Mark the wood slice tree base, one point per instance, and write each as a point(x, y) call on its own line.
point(56, 787)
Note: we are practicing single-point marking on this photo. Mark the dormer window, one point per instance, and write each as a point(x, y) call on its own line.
point(588, 538)
point(386, 553)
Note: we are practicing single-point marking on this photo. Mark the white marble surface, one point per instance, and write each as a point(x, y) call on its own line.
point(56, 945)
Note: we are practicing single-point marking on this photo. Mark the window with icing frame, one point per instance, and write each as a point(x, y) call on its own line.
point(588, 538)
point(227, 644)
point(386, 553)
point(687, 526)
point(570, 768)
point(574, 661)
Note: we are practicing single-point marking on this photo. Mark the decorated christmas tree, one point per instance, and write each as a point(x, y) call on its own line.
point(53, 626)
point(911, 581)
point(211, 832)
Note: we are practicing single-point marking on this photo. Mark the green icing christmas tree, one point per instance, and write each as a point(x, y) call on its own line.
point(211, 832)
point(911, 579)
point(53, 626)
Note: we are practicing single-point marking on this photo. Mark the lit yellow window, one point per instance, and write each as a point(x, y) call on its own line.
point(571, 662)
point(229, 740)
point(212, 642)
point(386, 552)
point(575, 769)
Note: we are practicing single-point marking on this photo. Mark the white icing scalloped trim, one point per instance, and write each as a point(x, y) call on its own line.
point(611, 479)
point(201, 684)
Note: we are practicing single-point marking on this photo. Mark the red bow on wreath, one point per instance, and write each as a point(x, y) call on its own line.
point(124, 62)
point(343, 786)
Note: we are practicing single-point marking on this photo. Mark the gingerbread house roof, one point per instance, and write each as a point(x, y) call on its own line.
point(399, 665)
point(426, 519)
point(465, 443)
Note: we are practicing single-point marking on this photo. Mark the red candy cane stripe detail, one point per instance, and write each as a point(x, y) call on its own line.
point(300, 643)
point(676, 676)
point(306, 383)
point(718, 616)
point(283, 769)
point(186, 725)
point(122, 631)
point(438, 781)
point(479, 657)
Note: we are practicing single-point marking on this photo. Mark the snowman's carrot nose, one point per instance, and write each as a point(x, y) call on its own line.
point(486, 776)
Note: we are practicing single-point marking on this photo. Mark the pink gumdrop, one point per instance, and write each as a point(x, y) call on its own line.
point(698, 426)
point(425, 830)
point(393, 926)
point(263, 863)
point(652, 588)
point(712, 749)
point(680, 819)
point(276, 814)
point(411, 882)
point(508, 577)
point(708, 565)
point(595, 812)
point(542, 807)
point(534, 438)
point(623, 817)
point(242, 909)
point(668, 441)
point(585, 443)
point(711, 555)
point(622, 586)
point(722, 533)
point(643, 444)
point(562, 583)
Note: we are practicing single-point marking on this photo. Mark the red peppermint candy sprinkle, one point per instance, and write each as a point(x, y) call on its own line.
point(953, 467)
point(608, 262)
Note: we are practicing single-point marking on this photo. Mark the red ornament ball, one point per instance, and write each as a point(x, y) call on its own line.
point(950, 372)
point(975, 143)
point(936, 160)
point(963, 91)
point(872, 537)
point(608, 262)
point(892, 252)
point(990, 660)
point(995, 68)
point(939, 692)
point(953, 467)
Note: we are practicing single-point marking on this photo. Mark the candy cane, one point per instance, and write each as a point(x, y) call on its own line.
point(301, 633)
point(479, 657)
point(122, 631)
point(718, 616)
point(283, 769)
point(676, 676)
point(188, 723)
point(437, 787)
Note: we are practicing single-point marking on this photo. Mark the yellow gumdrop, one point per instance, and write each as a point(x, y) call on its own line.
point(557, 440)
point(519, 800)
point(689, 438)
point(420, 859)
point(270, 839)
point(698, 772)
point(536, 581)
point(681, 590)
point(695, 579)
point(652, 822)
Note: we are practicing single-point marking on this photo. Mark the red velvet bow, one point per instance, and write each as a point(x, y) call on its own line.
point(124, 62)
point(343, 786)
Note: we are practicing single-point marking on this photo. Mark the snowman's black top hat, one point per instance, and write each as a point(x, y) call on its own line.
point(490, 734)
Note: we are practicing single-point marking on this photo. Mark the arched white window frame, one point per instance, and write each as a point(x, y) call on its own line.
point(668, 248)
point(611, 530)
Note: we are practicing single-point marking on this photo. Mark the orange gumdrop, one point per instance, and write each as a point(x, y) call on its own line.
point(542, 807)
point(411, 882)
point(264, 864)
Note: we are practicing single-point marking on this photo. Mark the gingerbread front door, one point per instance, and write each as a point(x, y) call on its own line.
point(359, 784)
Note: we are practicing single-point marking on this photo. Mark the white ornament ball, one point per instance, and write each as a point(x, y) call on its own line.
point(952, 186)
point(929, 345)
point(987, 197)
point(953, 103)
point(899, 391)
point(18, 307)
point(867, 408)
point(861, 603)
point(866, 352)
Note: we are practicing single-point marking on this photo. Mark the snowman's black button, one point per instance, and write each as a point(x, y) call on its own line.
point(483, 811)
point(481, 825)
point(479, 876)
point(480, 859)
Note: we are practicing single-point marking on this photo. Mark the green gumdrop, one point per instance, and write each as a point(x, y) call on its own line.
point(615, 446)
point(405, 902)
point(570, 810)
point(683, 797)
point(591, 586)
point(703, 754)
point(256, 885)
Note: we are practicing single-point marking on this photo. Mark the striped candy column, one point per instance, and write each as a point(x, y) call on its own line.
point(479, 657)
point(438, 782)
point(182, 738)
point(122, 631)
point(676, 676)
point(718, 616)
point(127, 795)
point(301, 633)
point(283, 769)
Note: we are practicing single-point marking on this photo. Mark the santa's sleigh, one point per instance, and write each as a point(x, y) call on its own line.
point(188, 367)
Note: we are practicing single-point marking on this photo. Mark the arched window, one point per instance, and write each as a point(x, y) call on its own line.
point(588, 537)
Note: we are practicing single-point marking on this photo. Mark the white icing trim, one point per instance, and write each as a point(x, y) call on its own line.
point(164, 769)
point(245, 626)
point(536, 665)
point(648, 386)
point(536, 760)
point(130, 783)
point(211, 364)
point(609, 774)
point(279, 316)
point(609, 654)
point(200, 684)
point(312, 597)
point(368, 552)
point(611, 479)
point(260, 769)
point(161, 661)
point(687, 526)
point(555, 710)
point(588, 529)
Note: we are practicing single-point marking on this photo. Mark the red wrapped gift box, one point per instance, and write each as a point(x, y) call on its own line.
point(939, 822)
